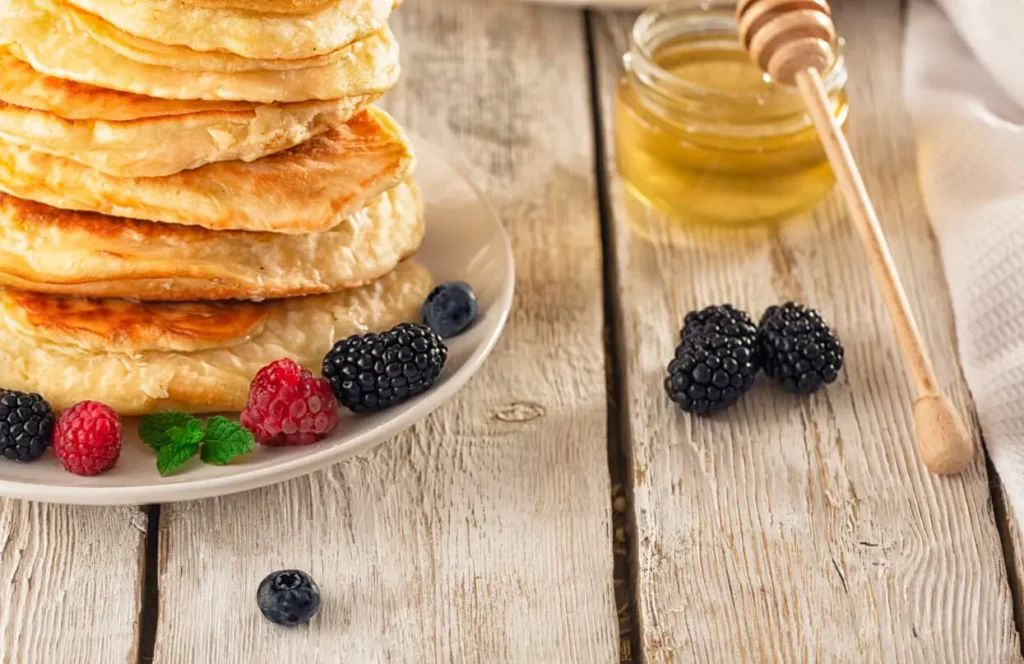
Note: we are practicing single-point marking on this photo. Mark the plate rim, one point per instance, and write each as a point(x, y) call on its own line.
point(419, 409)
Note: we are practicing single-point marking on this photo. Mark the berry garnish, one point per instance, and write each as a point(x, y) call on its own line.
point(87, 438)
point(450, 308)
point(288, 597)
point(371, 372)
point(710, 372)
point(177, 437)
point(26, 425)
point(800, 350)
point(289, 406)
point(723, 319)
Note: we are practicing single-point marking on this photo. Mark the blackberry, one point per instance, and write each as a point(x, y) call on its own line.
point(26, 425)
point(372, 372)
point(710, 372)
point(799, 349)
point(288, 597)
point(724, 319)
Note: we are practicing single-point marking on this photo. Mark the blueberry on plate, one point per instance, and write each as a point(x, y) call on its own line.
point(288, 597)
point(450, 308)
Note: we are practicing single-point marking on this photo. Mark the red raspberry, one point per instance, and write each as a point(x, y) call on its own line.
point(288, 406)
point(87, 438)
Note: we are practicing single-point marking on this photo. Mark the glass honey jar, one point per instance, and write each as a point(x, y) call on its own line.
point(702, 134)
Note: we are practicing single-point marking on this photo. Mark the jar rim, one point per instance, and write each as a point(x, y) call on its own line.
point(641, 62)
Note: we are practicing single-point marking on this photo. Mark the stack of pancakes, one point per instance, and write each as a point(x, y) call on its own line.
point(193, 189)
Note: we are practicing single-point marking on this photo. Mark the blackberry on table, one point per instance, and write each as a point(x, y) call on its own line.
point(372, 372)
point(723, 319)
point(710, 372)
point(798, 348)
point(26, 425)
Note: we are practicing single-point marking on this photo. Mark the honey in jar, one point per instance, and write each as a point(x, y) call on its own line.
point(702, 134)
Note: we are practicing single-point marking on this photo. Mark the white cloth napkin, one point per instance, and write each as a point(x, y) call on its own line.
point(964, 86)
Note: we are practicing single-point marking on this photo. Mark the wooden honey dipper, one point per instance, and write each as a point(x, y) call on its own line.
point(792, 40)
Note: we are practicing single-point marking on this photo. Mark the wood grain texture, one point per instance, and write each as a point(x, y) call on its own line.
point(71, 582)
point(483, 534)
point(792, 529)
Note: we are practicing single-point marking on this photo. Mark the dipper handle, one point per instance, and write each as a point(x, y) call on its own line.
point(793, 40)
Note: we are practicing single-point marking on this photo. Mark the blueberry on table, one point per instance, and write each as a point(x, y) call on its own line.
point(450, 308)
point(288, 597)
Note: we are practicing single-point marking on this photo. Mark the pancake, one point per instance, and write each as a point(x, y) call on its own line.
point(148, 51)
point(151, 47)
point(129, 135)
point(263, 6)
point(168, 145)
point(196, 357)
point(243, 32)
point(54, 41)
point(306, 189)
point(44, 249)
point(21, 85)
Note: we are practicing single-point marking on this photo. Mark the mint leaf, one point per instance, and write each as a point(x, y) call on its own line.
point(153, 429)
point(223, 440)
point(173, 455)
point(187, 435)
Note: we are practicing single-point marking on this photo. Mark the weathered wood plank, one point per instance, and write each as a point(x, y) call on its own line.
point(483, 534)
point(804, 529)
point(71, 582)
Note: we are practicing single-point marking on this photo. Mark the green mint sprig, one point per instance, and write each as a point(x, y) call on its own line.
point(177, 437)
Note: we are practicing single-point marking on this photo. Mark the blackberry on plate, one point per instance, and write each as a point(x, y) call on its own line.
point(450, 309)
point(26, 425)
point(288, 597)
point(724, 319)
point(372, 372)
point(799, 349)
point(710, 372)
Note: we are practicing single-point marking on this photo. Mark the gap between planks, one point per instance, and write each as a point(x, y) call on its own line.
point(620, 462)
point(150, 605)
point(1010, 539)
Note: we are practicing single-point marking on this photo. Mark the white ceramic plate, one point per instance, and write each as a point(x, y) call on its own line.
point(465, 240)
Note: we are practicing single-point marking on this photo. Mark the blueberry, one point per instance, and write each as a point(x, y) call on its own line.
point(450, 308)
point(288, 597)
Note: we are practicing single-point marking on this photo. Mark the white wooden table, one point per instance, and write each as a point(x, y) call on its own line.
point(788, 530)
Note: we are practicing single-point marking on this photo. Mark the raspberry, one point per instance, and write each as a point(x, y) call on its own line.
point(87, 438)
point(288, 406)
